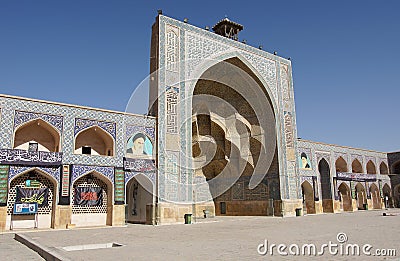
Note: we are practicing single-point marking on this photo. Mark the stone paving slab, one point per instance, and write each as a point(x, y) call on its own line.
point(225, 238)
point(11, 249)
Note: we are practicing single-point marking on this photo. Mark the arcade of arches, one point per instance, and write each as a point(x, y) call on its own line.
point(342, 193)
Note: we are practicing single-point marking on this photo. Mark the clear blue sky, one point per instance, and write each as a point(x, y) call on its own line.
point(345, 56)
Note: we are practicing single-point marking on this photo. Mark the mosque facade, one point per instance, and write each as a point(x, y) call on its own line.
point(220, 138)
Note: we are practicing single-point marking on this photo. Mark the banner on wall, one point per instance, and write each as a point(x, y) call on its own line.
point(4, 169)
point(39, 196)
point(315, 187)
point(139, 165)
point(85, 196)
point(25, 208)
point(25, 157)
point(119, 191)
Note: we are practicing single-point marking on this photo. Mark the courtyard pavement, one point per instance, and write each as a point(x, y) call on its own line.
point(219, 238)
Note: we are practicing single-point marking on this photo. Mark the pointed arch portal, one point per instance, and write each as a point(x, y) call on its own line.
point(308, 198)
point(361, 196)
point(375, 197)
point(326, 186)
point(345, 197)
point(46, 185)
point(139, 199)
point(92, 200)
point(231, 142)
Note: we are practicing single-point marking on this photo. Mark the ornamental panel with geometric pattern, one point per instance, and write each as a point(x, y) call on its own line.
point(133, 129)
point(22, 117)
point(16, 170)
point(81, 124)
point(150, 175)
point(80, 170)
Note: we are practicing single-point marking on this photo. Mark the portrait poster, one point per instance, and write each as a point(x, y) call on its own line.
point(304, 159)
point(25, 208)
point(139, 146)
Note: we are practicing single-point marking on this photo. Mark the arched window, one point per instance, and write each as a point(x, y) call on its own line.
point(37, 135)
point(356, 166)
point(371, 167)
point(94, 141)
point(341, 165)
point(383, 169)
point(396, 167)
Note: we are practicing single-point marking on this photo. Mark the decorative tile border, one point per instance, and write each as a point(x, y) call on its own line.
point(81, 124)
point(132, 129)
point(24, 157)
point(306, 178)
point(4, 170)
point(81, 170)
point(119, 187)
point(150, 175)
point(65, 181)
point(16, 170)
point(22, 117)
point(139, 165)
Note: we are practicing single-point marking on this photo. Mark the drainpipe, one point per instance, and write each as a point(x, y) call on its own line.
point(153, 212)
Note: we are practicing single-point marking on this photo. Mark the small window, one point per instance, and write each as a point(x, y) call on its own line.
point(87, 150)
point(33, 146)
point(223, 207)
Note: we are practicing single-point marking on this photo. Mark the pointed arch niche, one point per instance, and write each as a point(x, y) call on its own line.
point(94, 141)
point(37, 132)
